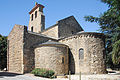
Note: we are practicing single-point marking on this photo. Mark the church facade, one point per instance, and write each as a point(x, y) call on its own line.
point(62, 47)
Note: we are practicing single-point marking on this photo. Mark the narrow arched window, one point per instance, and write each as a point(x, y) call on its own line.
point(81, 53)
point(63, 60)
point(32, 17)
point(35, 14)
point(72, 32)
point(32, 29)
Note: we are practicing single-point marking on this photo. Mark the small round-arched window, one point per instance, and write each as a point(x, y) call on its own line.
point(35, 14)
point(81, 53)
point(32, 29)
point(32, 17)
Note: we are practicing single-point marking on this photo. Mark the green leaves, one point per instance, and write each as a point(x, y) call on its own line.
point(116, 52)
point(3, 52)
point(43, 72)
point(91, 19)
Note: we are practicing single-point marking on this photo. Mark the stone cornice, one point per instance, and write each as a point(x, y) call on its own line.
point(55, 45)
point(85, 35)
point(36, 6)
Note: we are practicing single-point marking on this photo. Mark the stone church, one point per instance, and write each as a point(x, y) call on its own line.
point(62, 47)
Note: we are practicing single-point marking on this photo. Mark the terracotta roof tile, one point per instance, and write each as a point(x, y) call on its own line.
point(36, 6)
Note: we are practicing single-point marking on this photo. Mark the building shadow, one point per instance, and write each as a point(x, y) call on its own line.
point(29, 60)
point(8, 74)
point(71, 62)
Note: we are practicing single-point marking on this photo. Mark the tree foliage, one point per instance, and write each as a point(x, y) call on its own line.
point(3, 52)
point(109, 23)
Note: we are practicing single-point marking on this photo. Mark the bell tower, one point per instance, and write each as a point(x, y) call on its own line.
point(37, 19)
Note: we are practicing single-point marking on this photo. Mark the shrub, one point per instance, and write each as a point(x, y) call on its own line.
point(43, 72)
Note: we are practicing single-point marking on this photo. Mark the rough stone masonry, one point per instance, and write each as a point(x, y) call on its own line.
point(62, 47)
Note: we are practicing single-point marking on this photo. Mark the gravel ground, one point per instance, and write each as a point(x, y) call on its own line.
point(13, 76)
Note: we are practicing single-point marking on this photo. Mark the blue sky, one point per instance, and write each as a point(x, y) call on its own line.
point(16, 12)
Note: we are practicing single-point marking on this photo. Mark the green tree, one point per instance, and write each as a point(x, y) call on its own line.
point(3, 52)
point(109, 23)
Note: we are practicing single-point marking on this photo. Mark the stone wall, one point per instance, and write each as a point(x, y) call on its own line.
point(21, 52)
point(51, 32)
point(37, 23)
point(30, 40)
point(63, 28)
point(50, 57)
point(20, 49)
point(15, 49)
point(68, 27)
point(93, 61)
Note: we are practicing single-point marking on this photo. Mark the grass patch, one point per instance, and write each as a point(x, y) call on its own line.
point(41, 72)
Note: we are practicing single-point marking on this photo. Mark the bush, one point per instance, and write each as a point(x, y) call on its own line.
point(3, 52)
point(43, 72)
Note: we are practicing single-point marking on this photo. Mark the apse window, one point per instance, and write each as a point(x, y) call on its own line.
point(81, 53)
point(32, 17)
point(35, 14)
point(72, 32)
point(32, 29)
point(63, 60)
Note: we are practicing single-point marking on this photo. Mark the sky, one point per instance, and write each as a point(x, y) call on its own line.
point(17, 12)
